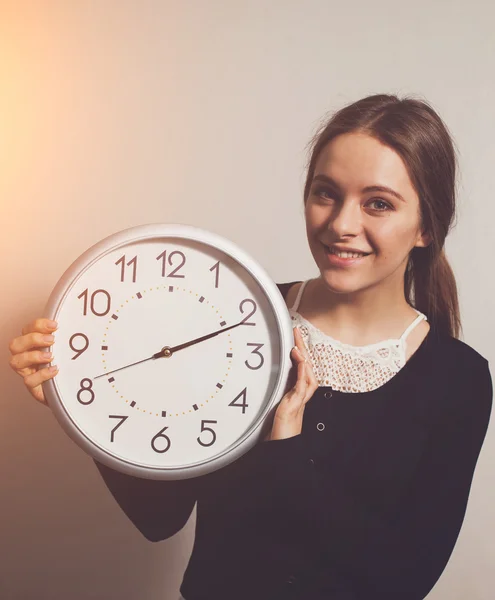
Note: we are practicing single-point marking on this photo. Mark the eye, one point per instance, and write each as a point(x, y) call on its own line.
point(383, 203)
point(323, 192)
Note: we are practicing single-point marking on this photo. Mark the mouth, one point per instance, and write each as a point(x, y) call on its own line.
point(343, 258)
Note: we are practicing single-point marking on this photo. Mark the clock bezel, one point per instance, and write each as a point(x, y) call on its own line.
point(258, 430)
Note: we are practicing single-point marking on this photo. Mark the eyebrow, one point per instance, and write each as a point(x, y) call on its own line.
point(369, 188)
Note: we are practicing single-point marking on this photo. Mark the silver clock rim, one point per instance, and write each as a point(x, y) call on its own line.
point(251, 436)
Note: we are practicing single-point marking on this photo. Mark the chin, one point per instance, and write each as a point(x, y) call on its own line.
point(338, 283)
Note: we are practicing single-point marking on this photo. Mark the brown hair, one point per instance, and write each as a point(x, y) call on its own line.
point(415, 131)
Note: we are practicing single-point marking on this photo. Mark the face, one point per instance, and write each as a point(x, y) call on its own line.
point(348, 205)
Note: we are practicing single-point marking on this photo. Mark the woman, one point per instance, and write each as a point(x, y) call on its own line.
point(361, 489)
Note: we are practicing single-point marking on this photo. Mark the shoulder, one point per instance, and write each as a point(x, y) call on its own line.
point(468, 377)
point(289, 291)
point(459, 353)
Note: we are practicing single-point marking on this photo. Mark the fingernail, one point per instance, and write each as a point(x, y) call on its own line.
point(48, 338)
point(53, 368)
point(52, 324)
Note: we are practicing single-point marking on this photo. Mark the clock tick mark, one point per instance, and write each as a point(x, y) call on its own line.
point(202, 299)
point(195, 406)
point(114, 316)
point(164, 413)
point(104, 347)
point(139, 295)
point(219, 386)
point(229, 355)
point(133, 403)
point(170, 288)
point(223, 323)
point(111, 380)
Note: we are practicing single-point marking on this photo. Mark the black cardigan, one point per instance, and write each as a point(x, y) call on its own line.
point(368, 506)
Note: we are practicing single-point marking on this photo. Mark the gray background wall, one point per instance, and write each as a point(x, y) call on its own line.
point(116, 113)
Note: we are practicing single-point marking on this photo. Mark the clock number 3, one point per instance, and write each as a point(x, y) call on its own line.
point(255, 351)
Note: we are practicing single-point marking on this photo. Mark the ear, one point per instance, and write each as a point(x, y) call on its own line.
point(424, 239)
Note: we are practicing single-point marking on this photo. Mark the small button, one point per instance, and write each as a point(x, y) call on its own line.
point(328, 394)
point(311, 461)
point(291, 579)
point(320, 426)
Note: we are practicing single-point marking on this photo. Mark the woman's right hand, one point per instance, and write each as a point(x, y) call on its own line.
point(28, 359)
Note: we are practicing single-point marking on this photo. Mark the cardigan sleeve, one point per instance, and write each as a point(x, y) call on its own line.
point(158, 509)
point(403, 553)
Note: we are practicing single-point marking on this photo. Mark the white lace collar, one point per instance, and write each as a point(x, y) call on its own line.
point(346, 367)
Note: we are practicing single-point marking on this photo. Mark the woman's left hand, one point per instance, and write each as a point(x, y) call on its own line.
point(288, 418)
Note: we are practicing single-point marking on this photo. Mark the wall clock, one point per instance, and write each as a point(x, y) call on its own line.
point(173, 349)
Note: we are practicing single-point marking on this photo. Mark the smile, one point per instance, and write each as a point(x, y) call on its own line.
point(342, 259)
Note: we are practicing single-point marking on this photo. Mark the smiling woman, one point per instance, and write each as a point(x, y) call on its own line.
point(381, 181)
point(360, 490)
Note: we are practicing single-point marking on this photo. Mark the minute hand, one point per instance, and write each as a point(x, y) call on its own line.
point(169, 351)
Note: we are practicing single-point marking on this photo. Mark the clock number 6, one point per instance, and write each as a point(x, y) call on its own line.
point(160, 435)
point(203, 428)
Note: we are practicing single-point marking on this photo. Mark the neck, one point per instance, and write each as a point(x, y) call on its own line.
point(360, 318)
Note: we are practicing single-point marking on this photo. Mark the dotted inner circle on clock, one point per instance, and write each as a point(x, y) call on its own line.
point(136, 407)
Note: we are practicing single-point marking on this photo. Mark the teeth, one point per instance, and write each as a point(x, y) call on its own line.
point(345, 254)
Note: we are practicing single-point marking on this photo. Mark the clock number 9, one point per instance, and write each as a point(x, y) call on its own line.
point(245, 320)
point(255, 351)
point(87, 388)
point(160, 435)
point(78, 351)
point(203, 428)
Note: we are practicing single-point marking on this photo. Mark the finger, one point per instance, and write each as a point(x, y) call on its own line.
point(299, 389)
point(30, 359)
point(43, 325)
point(300, 343)
point(33, 382)
point(29, 341)
point(312, 381)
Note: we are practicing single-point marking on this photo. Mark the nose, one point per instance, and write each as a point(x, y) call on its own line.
point(346, 219)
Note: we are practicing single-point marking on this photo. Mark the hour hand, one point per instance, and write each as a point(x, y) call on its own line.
point(167, 352)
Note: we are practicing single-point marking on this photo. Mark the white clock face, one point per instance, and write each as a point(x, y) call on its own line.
point(191, 401)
